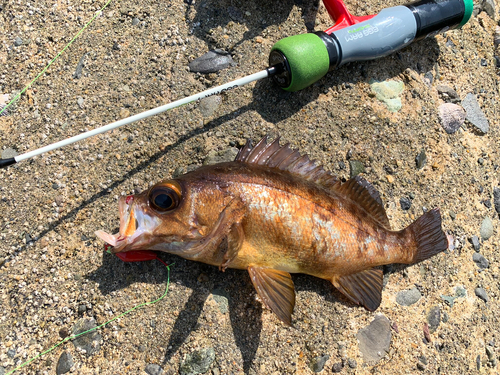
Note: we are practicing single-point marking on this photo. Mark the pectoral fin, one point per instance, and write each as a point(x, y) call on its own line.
point(235, 239)
point(363, 288)
point(230, 216)
point(276, 289)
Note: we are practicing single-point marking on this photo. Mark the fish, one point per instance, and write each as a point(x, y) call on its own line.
point(274, 212)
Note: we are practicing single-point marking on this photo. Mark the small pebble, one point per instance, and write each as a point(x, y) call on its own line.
point(496, 199)
point(352, 363)
point(421, 159)
point(219, 296)
point(11, 353)
point(356, 168)
point(337, 367)
point(124, 113)
point(448, 94)
point(18, 41)
point(486, 230)
point(434, 318)
point(453, 215)
point(490, 353)
point(135, 21)
point(80, 102)
point(318, 363)
point(421, 366)
point(79, 67)
point(153, 369)
point(460, 291)
point(429, 76)
point(481, 293)
point(480, 261)
point(405, 203)
point(475, 243)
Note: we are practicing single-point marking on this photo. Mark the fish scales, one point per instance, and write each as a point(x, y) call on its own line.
point(275, 212)
point(320, 238)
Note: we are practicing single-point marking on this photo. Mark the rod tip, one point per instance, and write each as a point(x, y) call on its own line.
point(4, 163)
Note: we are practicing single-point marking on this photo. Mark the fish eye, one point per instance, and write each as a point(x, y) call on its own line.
point(165, 197)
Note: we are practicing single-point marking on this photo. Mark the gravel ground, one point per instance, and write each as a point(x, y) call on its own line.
point(440, 316)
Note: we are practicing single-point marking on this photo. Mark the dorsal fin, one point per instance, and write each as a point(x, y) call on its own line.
point(363, 193)
point(285, 158)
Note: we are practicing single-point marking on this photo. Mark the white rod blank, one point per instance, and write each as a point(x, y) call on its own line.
point(140, 116)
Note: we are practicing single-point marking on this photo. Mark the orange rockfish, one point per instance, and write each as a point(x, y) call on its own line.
point(275, 212)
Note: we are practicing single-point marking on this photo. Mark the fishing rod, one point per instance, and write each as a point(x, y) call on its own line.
point(298, 61)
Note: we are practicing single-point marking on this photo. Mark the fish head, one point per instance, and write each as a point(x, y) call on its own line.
point(170, 216)
point(148, 218)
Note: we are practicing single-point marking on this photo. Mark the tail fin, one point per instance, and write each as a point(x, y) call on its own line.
point(428, 235)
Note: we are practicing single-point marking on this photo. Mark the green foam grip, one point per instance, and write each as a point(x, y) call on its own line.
point(469, 5)
point(307, 57)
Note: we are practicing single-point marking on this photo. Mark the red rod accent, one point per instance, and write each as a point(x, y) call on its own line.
point(341, 16)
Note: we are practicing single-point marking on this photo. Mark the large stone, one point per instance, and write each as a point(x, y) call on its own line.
point(64, 363)
point(452, 117)
point(211, 62)
point(375, 339)
point(197, 362)
point(388, 92)
point(408, 297)
point(486, 230)
point(209, 105)
point(90, 342)
point(474, 113)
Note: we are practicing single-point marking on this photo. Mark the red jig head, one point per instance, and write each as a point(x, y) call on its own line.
point(137, 256)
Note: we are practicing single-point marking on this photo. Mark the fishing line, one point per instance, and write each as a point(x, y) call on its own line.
point(100, 326)
point(55, 58)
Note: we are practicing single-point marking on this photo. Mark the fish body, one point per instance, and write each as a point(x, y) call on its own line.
point(275, 212)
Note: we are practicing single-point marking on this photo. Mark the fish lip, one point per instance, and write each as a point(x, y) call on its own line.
point(142, 228)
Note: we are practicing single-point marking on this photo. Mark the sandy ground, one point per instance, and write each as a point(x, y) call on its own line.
point(55, 272)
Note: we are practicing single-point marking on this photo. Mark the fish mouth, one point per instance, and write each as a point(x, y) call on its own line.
point(136, 228)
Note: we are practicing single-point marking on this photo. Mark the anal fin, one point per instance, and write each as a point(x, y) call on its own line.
point(363, 288)
point(276, 289)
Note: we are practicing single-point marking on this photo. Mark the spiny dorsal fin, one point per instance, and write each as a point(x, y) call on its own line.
point(283, 157)
point(363, 193)
point(276, 289)
point(363, 288)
